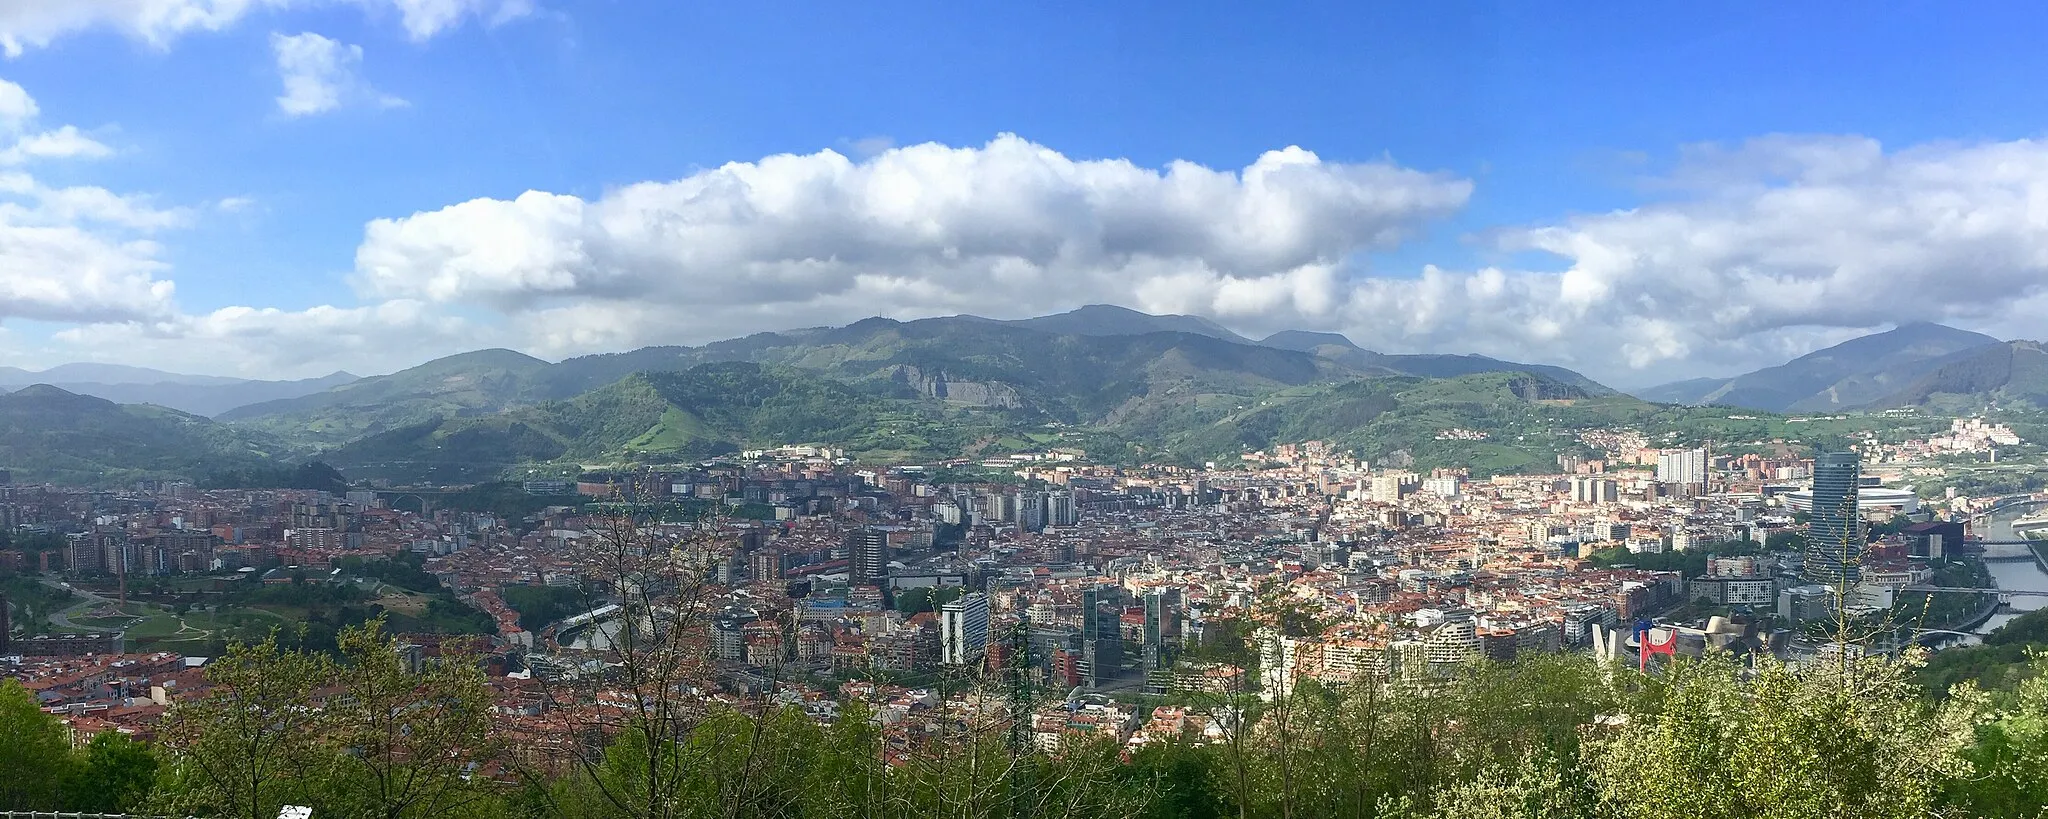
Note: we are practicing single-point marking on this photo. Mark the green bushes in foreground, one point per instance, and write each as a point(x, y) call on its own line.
point(1542, 738)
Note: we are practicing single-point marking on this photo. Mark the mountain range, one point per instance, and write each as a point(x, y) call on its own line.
point(1879, 370)
point(1121, 384)
point(1094, 365)
point(1101, 376)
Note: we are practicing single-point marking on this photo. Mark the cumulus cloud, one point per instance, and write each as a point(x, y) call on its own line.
point(1011, 226)
point(18, 113)
point(80, 253)
point(1747, 255)
point(1765, 249)
point(77, 253)
point(16, 106)
point(26, 24)
point(68, 273)
point(1744, 256)
point(321, 74)
point(63, 143)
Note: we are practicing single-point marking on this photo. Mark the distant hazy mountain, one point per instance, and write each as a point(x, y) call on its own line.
point(1855, 373)
point(49, 434)
point(2014, 372)
point(89, 373)
point(197, 394)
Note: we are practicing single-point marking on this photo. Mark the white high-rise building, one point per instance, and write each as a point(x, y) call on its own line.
point(1685, 466)
point(1593, 490)
point(963, 629)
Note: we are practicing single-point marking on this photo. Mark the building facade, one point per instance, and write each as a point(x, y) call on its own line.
point(1834, 538)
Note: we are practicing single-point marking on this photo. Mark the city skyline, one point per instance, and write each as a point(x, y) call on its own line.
point(365, 186)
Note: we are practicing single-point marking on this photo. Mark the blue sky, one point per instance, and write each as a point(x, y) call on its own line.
point(1643, 194)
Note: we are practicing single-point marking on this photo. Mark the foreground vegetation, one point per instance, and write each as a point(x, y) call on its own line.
point(1545, 737)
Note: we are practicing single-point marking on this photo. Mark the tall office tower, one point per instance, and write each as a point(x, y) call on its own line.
point(1102, 646)
point(963, 629)
point(867, 552)
point(1834, 539)
point(1161, 625)
point(1682, 466)
point(1060, 510)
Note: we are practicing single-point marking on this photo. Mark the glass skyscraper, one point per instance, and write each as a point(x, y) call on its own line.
point(1834, 540)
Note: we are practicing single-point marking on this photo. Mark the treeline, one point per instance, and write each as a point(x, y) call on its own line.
point(1544, 738)
point(313, 475)
point(2001, 663)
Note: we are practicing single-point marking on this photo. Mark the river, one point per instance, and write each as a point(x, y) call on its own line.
point(2014, 575)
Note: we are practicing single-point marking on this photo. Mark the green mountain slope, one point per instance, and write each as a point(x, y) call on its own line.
point(1379, 417)
point(2011, 374)
point(958, 361)
point(49, 434)
point(460, 385)
point(1335, 347)
point(933, 387)
point(664, 417)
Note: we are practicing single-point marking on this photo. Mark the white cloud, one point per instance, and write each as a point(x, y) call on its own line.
point(423, 19)
point(71, 273)
point(18, 112)
point(1747, 255)
point(266, 342)
point(1752, 253)
point(320, 75)
point(1768, 250)
point(16, 106)
point(64, 143)
point(26, 24)
point(78, 253)
point(1010, 227)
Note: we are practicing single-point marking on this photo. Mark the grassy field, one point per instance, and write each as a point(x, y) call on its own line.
point(152, 627)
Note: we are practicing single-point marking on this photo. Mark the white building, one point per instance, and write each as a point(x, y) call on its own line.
point(1683, 466)
point(963, 629)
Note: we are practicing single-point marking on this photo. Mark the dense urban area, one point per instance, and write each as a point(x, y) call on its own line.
point(789, 631)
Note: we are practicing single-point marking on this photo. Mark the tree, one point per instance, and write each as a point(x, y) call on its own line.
point(34, 753)
point(1538, 787)
point(2009, 755)
point(409, 737)
point(626, 754)
point(1780, 742)
point(250, 745)
point(116, 775)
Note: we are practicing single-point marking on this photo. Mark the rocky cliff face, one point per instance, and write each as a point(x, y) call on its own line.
point(970, 393)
